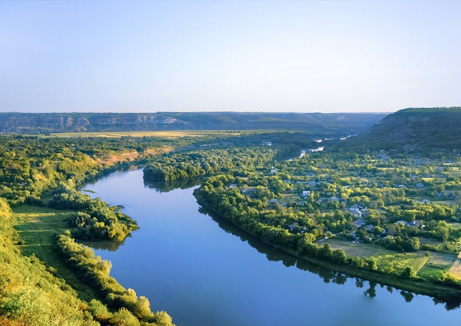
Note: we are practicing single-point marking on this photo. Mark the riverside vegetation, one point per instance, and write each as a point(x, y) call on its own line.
point(46, 277)
point(388, 214)
point(45, 291)
point(394, 216)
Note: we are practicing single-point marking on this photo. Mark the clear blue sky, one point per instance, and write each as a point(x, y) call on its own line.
point(301, 56)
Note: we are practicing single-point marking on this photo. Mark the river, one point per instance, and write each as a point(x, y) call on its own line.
point(204, 271)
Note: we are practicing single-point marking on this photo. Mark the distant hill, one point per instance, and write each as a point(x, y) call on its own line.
point(317, 123)
point(413, 128)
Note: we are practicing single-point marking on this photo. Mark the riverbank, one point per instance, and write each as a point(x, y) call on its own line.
point(451, 296)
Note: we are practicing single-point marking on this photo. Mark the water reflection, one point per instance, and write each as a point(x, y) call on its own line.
point(327, 275)
point(104, 245)
point(167, 186)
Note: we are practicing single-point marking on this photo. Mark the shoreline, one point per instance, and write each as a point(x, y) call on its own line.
point(423, 287)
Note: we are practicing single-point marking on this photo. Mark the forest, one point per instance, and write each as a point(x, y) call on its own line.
point(42, 175)
point(326, 206)
point(389, 213)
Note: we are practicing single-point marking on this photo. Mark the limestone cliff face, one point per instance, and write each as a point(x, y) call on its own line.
point(327, 124)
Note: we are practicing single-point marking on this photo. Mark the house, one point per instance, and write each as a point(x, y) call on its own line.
point(291, 227)
point(233, 186)
point(302, 229)
point(273, 171)
point(274, 202)
point(334, 198)
point(419, 185)
point(359, 222)
point(355, 211)
point(248, 190)
point(358, 210)
point(268, 143)
point(312, 183)
point(370, 227)
point(306, 193)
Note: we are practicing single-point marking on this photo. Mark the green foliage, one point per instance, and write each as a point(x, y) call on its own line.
point(413, 129)
point(29, 293)
point(372, 198)
point(95, 219)
point(206, 162)
point(96, 272)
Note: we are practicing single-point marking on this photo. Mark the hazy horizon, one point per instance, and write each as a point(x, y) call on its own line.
point(229, 56)
point(211, 111)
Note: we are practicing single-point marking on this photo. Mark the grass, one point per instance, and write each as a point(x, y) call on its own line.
point(455, 225)
point(172, 134)
point(398, 262)
point(290, 198)
point(437, 264)
point(428, 267)
point(352, 249)
point(37, 227)
point(455, 269)
point(162, 134)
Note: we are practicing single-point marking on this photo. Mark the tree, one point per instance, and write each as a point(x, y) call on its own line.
point(408, 272)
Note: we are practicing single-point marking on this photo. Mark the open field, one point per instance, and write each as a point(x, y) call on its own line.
point(162, 134)
point(437, 264)
point(429, 267)
point(352, 249)
point(37, 227)
point(455, 269)
point(398, 262)
point(291, 198)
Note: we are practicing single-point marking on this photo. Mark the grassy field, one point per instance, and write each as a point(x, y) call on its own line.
point(455, 269)
point(291, 198)
point(398, 262)
point(429, 267)
point(352, 249)
point(162, 134)
point(437, 264)
point(37, 227)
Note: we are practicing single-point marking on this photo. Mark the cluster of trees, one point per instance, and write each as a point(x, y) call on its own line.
point(371, 198)
point(414, 129)
point(132, 310)
point(229, 204)
point(390, 188)
point(30, 294)
point(95, 220)
point(205, 162)
point(30, 166)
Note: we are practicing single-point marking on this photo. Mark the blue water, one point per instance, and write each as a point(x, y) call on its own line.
point(203, 271)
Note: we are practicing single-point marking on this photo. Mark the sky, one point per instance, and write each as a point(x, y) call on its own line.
point(275, 56)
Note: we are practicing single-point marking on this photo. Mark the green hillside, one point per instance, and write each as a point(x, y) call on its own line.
point(413, 129)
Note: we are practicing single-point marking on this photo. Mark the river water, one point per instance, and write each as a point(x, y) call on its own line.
point(203, 271)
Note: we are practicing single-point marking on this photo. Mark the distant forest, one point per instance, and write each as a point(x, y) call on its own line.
point(331, 124)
